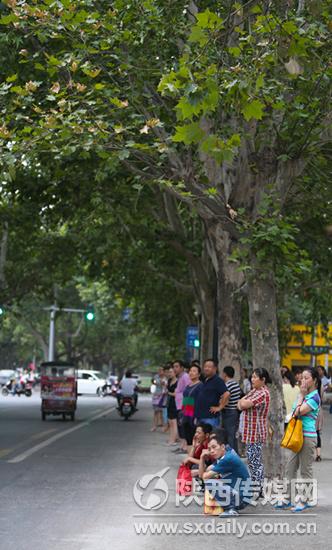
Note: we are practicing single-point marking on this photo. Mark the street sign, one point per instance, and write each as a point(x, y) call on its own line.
point(315, 350)
point(192, 337)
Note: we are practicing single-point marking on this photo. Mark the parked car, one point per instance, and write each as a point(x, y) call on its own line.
point(90, 381)
point(5, 376)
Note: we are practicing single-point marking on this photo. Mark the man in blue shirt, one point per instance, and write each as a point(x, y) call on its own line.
point(213, 396)
point(227, 479)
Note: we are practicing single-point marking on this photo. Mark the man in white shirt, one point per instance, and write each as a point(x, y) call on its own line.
point(128, 387)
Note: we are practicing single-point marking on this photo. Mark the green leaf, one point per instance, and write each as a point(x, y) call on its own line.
point(259, 82)
point(190, 133)
point(7, 19)
point(208, 20)
point(11, 78)
point(198, 35)
point(253, 110)
point(236, 51)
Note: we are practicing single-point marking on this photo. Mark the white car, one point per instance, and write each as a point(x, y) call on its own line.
point(6, 375)
point(90, 381)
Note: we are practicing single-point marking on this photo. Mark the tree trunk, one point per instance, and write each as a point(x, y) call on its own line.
point(207, 328)
point(3, 255)
point(229, 307)
point(265, 351)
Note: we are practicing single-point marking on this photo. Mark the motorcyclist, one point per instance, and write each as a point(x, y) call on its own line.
point(127, 388)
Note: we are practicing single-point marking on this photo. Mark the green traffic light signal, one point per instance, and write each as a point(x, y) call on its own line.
point(90, 313)
point(196, 343)
point(2, 311)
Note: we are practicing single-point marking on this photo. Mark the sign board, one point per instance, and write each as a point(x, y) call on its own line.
point(192, 336)
point(315, 350)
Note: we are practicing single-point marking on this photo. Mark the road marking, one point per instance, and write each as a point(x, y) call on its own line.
point(39, 435)
point(5, 452)
point(36, 448)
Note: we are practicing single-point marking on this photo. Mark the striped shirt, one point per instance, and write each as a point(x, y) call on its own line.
point(255, 418)
point(235, 394)
point(309, 419)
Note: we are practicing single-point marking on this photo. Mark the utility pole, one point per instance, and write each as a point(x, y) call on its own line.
point(51, 342)
point(89, 313)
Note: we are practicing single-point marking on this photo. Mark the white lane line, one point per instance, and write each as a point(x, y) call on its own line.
point(36, 448)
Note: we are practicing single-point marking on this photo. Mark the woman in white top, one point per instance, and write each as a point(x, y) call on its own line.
point(290, 391)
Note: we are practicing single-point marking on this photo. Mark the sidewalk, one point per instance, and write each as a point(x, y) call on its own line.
point(190, 525)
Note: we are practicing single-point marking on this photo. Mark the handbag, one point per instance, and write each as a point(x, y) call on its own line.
point(184, 481)
point(211, 506)
point(293, 436)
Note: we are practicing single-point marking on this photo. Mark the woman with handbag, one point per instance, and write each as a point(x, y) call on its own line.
point(306, 408)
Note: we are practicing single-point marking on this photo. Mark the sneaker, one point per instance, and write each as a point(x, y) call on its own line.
point(176, 450)
point(228, 513)
point(283, 506)
point(300, 508)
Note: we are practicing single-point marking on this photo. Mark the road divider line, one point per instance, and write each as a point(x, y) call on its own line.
point(50, 440)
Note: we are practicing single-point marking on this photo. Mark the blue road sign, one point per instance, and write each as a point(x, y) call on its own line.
point(192, 336)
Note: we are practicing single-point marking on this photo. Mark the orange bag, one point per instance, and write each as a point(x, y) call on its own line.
point(293, 436)
point(211, 507)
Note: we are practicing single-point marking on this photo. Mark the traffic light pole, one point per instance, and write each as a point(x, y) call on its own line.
point(51, 342)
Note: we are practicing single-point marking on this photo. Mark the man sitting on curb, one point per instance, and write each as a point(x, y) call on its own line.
point(233, 490)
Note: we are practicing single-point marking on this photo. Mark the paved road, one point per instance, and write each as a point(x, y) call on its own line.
point(69, 486)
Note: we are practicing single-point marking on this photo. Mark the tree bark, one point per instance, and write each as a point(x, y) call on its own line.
point(265, 352)
point(3, 255)
point(229, 298)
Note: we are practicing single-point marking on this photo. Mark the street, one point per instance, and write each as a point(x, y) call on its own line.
point(69, 486)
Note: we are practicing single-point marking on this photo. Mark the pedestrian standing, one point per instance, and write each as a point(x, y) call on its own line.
point(290, 392)
point(158, 398)
point(171, 407)
point(245, 383)
point(230, 414)
point(255, 406)
point(306, 408)
point(190, 394)
point(213, 396)
point(183, 381)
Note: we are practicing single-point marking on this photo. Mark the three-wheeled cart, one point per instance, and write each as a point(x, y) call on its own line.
point(58, 389)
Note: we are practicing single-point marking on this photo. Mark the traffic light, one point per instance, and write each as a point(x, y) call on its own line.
point(90, 313)
point(2, 311)
point(196, 343)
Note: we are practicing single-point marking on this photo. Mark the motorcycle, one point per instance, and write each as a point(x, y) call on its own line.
point(127, 407)
point(109, 390)
point(25, 389)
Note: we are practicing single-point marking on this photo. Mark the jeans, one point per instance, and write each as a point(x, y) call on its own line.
point(230, 423)
point(214, 422)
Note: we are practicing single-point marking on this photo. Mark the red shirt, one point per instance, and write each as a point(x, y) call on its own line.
point(199, 449)
point(255, 418)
